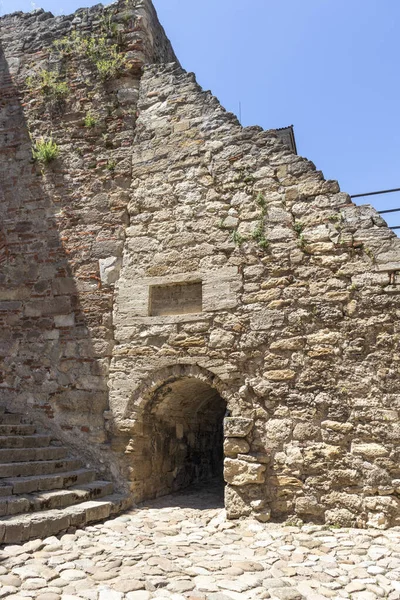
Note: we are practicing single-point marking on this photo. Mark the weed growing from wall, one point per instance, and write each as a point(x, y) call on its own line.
point(103, 54)
point(259, 232)
point(369, 252)
point(302, 242)
point(259, 236)
point(298, 227)
point(111, 164)
point(45, 151)
point(108, 26)
point(48, 84)
point(89, 120)
point(244, 176)
point(237, 238)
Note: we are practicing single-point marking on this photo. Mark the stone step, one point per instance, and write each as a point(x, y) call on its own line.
point(13, 505)
point(2, 409)
point(10, 418)
point(10, 455)
point(37, 440)
point(119, 503)
point(17, 429)
point(26, 485)
point(44, 467)
point(5, 490)
point(17, 529)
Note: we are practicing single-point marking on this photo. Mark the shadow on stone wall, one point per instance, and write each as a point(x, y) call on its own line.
point(49, 367)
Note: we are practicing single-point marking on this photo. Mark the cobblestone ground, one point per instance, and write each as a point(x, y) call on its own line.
point(181, 547)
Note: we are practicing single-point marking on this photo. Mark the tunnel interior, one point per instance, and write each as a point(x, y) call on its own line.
point(183, 429)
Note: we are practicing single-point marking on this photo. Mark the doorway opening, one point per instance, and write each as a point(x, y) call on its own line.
point(183, 433)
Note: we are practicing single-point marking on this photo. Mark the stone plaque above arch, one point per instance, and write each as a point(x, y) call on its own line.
point(154, 297)
point(176, 299)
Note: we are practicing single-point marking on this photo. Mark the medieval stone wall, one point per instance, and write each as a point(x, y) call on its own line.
point(171, 256)
point(61, 223)
point(298, 330)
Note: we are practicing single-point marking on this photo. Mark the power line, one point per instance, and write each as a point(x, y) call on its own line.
point(375, 193)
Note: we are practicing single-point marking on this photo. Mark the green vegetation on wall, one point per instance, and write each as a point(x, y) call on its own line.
point(45, 150)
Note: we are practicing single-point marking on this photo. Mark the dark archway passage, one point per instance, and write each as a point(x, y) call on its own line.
point(183, 430)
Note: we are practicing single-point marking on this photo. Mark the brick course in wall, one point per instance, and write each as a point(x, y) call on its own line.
point(297, 332)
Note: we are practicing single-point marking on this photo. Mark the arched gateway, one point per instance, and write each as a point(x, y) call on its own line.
point(177, 431)
point(183, 436)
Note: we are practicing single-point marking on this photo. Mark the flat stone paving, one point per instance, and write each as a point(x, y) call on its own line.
point(181, 547)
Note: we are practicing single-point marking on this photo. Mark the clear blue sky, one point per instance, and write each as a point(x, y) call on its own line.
point(329, 67)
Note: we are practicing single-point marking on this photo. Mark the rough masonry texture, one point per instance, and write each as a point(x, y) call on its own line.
point(171, 268)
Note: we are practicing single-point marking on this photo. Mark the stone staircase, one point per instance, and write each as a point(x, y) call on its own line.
point(42, 489)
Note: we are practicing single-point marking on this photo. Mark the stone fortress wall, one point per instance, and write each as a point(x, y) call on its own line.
point(170, 265)
point(59, 225)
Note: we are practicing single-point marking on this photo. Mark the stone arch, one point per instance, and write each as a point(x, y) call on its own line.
point(143, 393)
point(179, 414)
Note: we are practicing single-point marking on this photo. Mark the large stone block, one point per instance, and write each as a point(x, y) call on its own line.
point(267, 319)
point(278, 430)
point(109, 269)
point(309, 505)
point(340, 517)
point(287, 482)
point(235, 446)
point(240, 472)
point(237, 427)
point(280, 375)
point(338, 427)
point(221, 339)
point(236, 503)
point(369, 451)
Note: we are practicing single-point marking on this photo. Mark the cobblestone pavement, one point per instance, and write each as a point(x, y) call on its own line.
point(181, 547)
